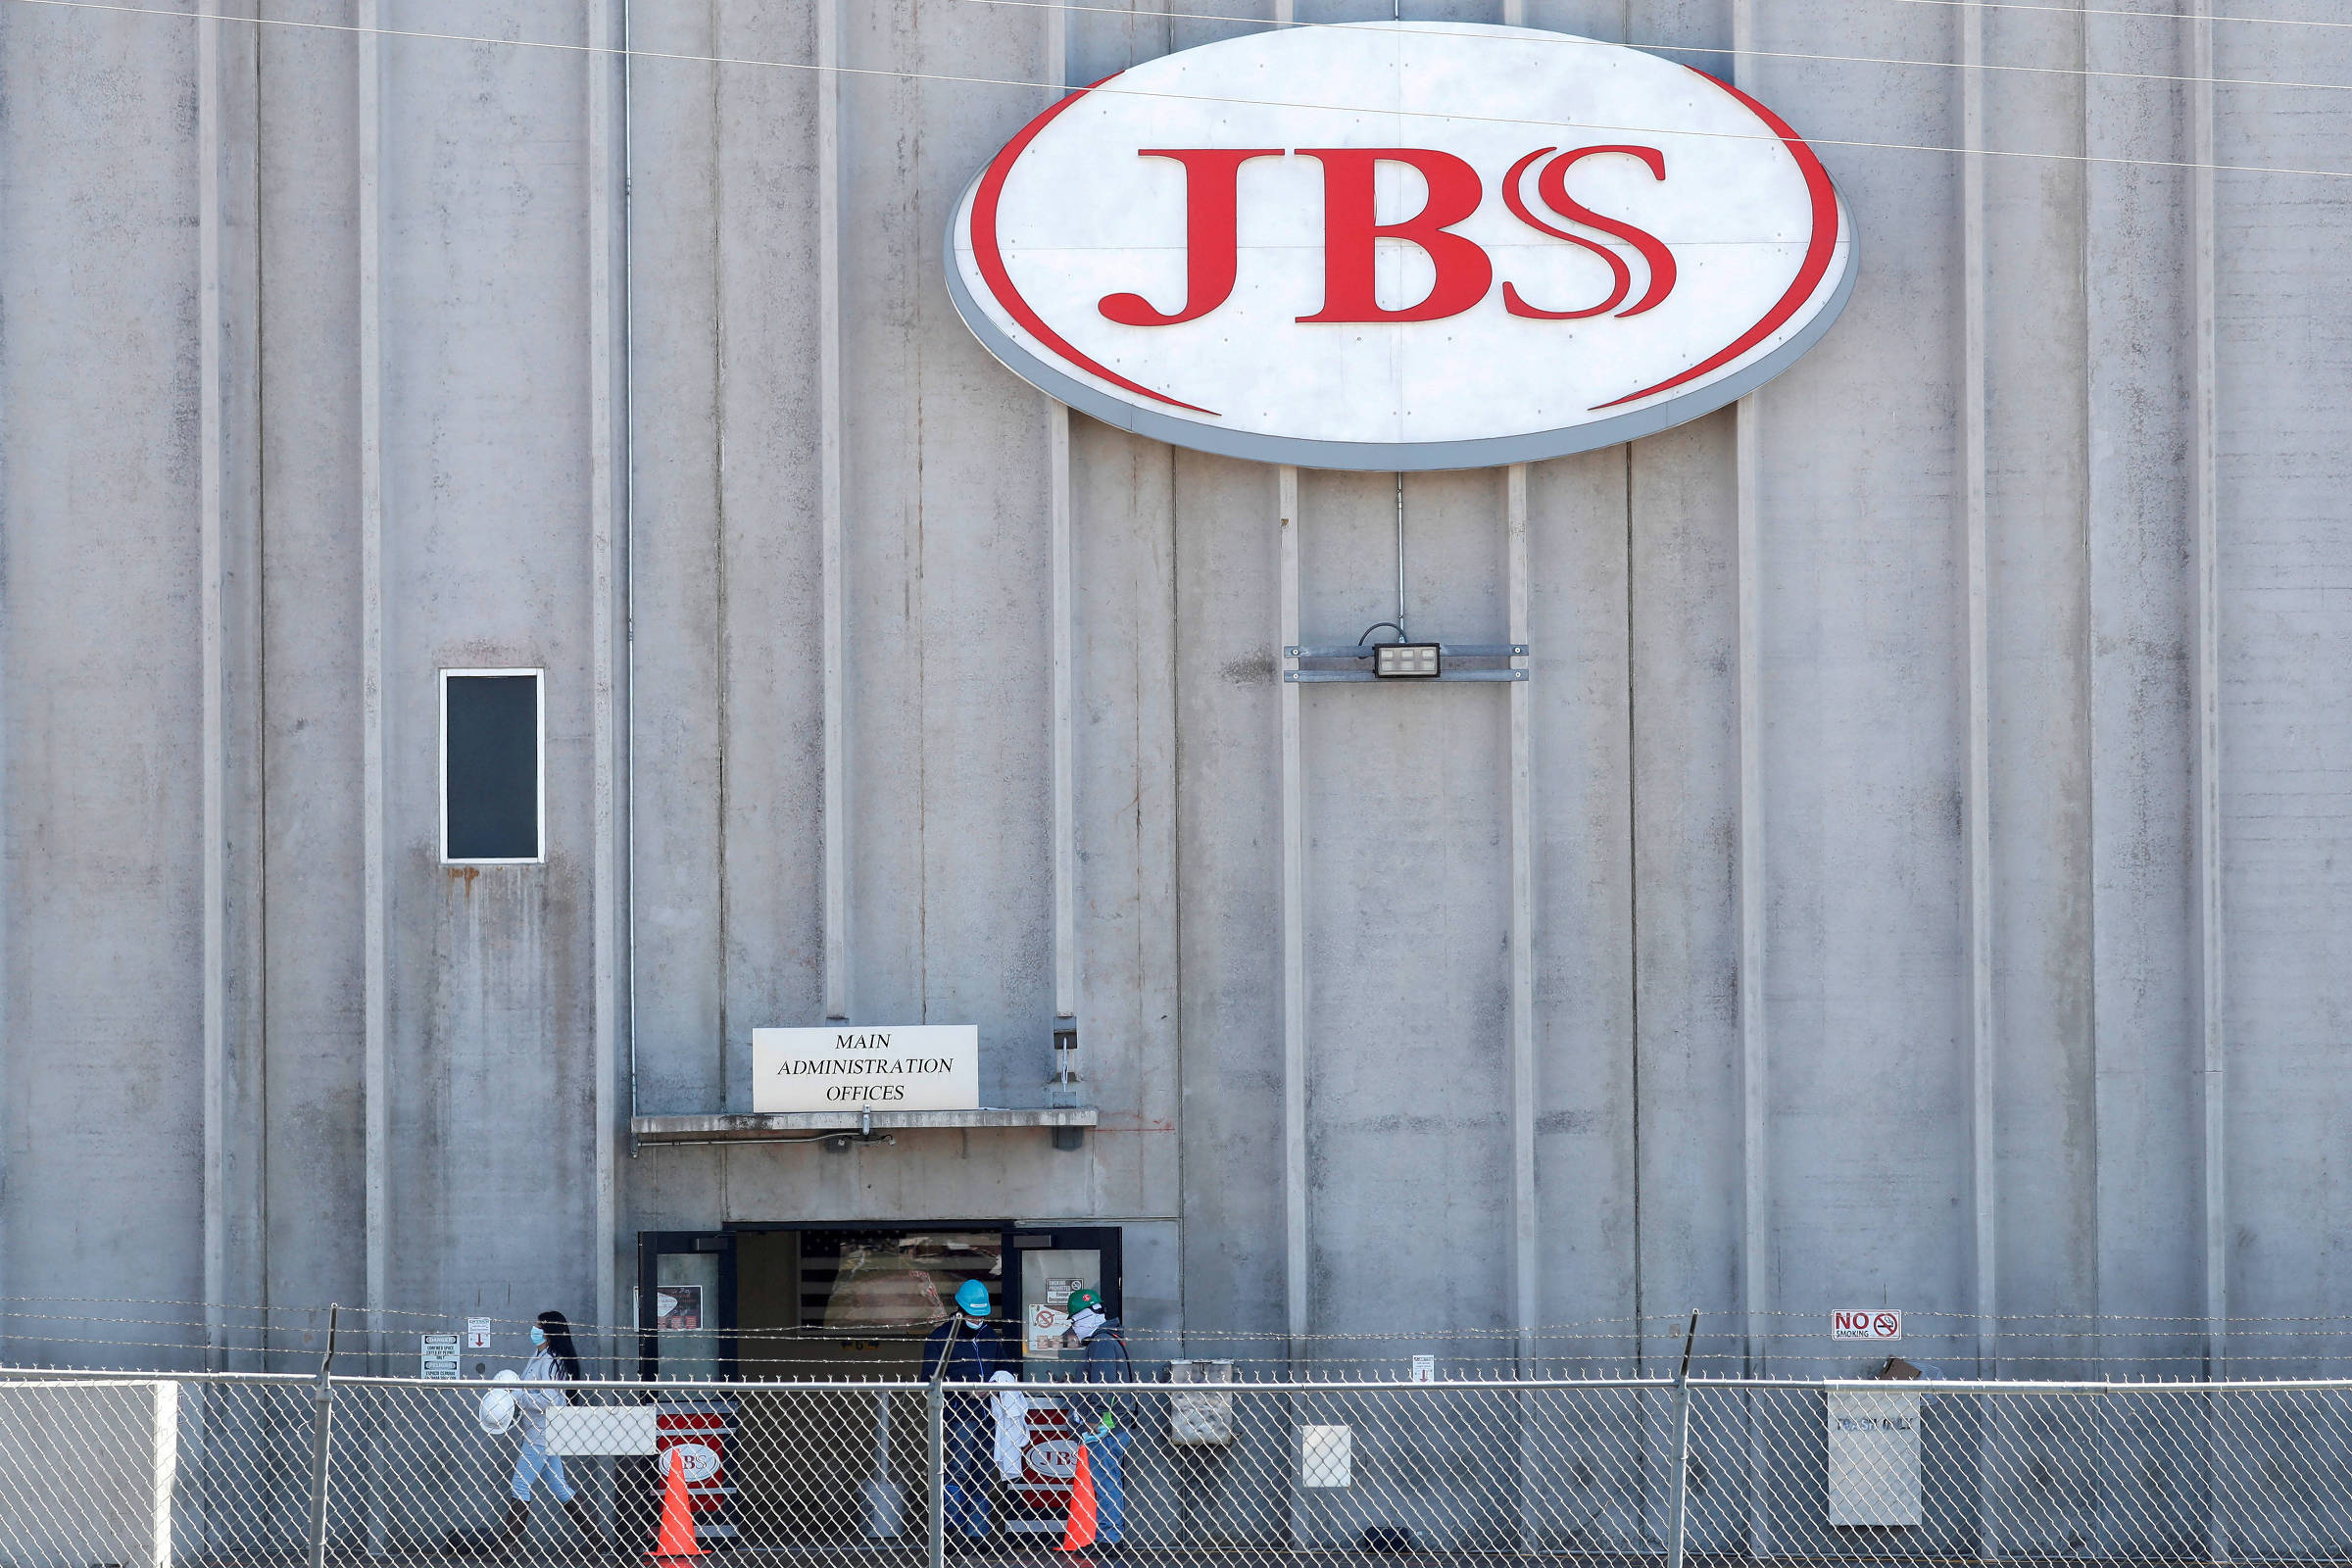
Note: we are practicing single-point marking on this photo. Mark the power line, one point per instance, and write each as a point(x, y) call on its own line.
point(2126, 15)
point(1660, 46)
point(1974, 5)
point(677, 58)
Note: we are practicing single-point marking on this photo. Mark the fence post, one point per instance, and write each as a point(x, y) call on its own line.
point(322, 1420)
point(935, 1475)
point(1678, 1528)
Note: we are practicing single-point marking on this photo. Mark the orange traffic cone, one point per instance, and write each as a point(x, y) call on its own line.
point(676, 1539)
point(1079, 1531)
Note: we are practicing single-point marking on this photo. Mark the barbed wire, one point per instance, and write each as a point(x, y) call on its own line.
point(1711, 1319)
point(1719, 1314)
point(1724, 1337)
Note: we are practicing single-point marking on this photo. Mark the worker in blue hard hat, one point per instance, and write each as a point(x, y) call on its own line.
point(1101, 1358)
point(966, 1349)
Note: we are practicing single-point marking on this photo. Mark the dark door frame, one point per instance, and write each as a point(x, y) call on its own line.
point(1015, 1237)
point(720, 1314)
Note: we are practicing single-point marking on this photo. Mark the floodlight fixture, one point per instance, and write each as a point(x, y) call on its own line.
point(1406, 661)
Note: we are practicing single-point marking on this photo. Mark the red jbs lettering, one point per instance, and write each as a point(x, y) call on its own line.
point(1464, 273)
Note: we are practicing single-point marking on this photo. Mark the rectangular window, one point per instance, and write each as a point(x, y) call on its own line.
point(493, 774)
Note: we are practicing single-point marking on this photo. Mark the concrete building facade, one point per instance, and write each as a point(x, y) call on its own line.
point(1911, 876)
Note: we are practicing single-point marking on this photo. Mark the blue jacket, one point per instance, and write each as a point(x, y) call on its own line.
point(1103, 1358)
point(977, 1354)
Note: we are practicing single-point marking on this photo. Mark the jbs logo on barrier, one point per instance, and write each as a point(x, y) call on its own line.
point(1402, 245)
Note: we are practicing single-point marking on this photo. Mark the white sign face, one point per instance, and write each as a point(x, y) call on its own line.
point(1042, 1329)
point(1867, 1323)
point(917, 1067)
point(437, 1356)
point(1874, 1457)
point(1327, 1456)
point(601, 1429)
point(478, 1334)
point(1402, 245)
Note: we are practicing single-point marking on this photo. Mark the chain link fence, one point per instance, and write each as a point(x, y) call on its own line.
point(112, 1470)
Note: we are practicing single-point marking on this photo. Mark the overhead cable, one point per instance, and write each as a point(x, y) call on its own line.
point(1662, 46)
point(679, 58)
point(2126, 15)
point(1973, 5)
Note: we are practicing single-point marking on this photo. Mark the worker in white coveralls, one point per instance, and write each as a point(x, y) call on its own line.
point(1101, 1358)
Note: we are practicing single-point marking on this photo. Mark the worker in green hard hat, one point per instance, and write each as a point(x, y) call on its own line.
point(1101, 1358)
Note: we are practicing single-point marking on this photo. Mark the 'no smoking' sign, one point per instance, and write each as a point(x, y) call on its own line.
point(1867, 1324)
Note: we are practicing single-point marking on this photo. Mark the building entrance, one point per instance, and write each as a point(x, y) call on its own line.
point(821, 1301)
point(831, 1303)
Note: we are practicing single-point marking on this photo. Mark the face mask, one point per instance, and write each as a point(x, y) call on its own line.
point(538, 1335)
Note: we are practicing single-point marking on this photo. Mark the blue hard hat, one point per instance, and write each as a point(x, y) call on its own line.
point(972, 1296)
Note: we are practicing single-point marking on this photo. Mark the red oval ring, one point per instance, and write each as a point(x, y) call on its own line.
point(991, 258)
point(1818, 251)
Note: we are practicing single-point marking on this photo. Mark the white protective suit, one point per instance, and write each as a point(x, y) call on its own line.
point(1011, 1410)
point(532, 1404)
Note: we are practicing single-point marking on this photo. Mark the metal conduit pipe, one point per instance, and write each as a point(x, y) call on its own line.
point(629, 569)
point(1402, 633)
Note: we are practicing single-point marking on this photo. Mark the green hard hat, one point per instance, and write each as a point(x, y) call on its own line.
point(1080, 1301)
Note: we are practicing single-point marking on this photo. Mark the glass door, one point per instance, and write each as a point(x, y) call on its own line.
point(686, 1305)
point(1055, 1261)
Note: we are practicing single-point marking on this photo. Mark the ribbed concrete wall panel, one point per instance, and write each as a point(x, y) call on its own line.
point(310, 583)
point(101, 675)
point(180, 494)
point(485, 547)
point(2283, 362)
point(1584, 795)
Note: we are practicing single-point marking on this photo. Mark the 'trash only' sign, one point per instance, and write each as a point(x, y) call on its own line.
point(1402, 245)
point(916, 1067)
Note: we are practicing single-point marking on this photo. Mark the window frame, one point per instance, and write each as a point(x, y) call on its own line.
point(538, 675)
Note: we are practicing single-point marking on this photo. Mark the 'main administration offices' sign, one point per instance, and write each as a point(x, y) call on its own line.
point(917, 1067)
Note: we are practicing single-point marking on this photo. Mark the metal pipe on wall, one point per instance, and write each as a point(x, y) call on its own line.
point(628, 579)
point(375, 1025)
point(608, 1245)
point(1400, 631)
point(833, 568)
point(214, 677)
point(603, 681)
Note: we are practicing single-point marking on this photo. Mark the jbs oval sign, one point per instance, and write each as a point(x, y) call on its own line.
point(1402, 245)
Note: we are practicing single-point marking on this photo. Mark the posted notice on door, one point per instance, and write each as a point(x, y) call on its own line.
point(913, 1067)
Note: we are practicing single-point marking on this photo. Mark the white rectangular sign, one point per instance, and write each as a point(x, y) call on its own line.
point(478, 1334)
point(1867, 1323)
point(914, 1067)
point(437, 1356)
point(1327, 1456)
point(1874, 1457)
point(586, 1429)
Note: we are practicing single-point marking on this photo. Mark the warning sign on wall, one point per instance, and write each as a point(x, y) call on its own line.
point(437, 1356)
point(1869, 1323)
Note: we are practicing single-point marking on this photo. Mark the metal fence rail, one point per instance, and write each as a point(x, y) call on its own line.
point(117, 1470)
